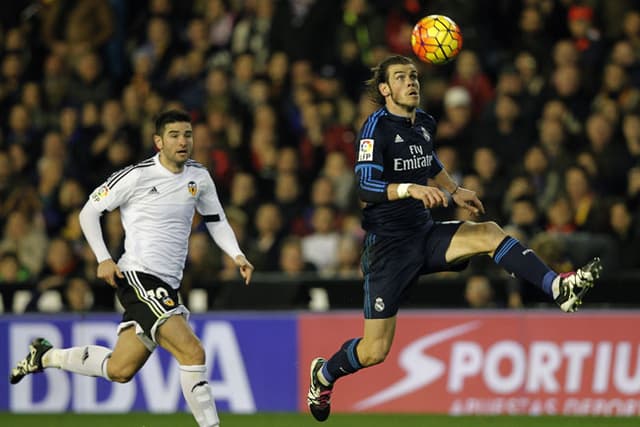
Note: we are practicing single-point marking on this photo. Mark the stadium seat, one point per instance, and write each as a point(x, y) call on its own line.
point(50, 302)
point(198, 300)
point(20, 300)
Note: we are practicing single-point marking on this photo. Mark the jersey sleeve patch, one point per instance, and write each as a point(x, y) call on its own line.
point(100, 193)
point(365, 152)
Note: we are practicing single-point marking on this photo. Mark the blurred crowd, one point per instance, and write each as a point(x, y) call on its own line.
point(539, 114)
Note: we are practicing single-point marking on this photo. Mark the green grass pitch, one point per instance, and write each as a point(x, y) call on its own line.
point(303, 420)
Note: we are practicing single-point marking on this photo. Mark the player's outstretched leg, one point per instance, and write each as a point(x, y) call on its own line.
point(319, 396)
point(570, 288)
point(33, 362)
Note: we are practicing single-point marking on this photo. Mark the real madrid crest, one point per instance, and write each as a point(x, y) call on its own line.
point(425, 134)
point(193, 188)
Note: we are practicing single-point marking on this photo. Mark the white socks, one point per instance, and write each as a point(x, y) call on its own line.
point(88, 360)
point(197, 393)
point(91, 360)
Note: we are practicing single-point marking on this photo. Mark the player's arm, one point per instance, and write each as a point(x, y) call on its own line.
point(210, 208)
point(430, 196)
point(467, 199)
point(225, 238)
point(115, 191)
point(90, 224)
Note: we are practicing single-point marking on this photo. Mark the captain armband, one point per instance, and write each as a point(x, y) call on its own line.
point(211, 218)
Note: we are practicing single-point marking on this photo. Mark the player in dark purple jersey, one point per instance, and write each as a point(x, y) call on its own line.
point(395, 159)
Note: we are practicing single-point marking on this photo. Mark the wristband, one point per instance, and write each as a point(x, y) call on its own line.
point(403, 191)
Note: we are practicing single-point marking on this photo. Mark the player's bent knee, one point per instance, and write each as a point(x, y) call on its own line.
point(492, 234)
point(491, 228)
point(121, 375)
point(121, 372)
point(192, 355)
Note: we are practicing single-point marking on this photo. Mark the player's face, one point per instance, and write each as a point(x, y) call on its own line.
point(402, 90)
point(176, 143)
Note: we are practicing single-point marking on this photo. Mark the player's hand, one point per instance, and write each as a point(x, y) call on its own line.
point(431, 196)
point(246, 268)
point(467, 199)
point(108, 271)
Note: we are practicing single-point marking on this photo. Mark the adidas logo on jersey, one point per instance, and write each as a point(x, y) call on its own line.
point(398, 139)
point(154, 190)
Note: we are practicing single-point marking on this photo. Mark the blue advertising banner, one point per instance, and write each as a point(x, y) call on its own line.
point(246, 355)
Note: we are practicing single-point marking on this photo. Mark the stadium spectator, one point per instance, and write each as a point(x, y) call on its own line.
point(320, 247)
point(203, 262)
point(348, 259)
point(322, 194)
point(553, 140)
point(625, 232)
point(533, 36)
point(88, 83)
point(11, 273)
point(506, 130)
point(288, 196)
point(584, 201)
point(25, 236)
point(252, 32)
point(545, 180)
point(159, 48)
point(291, 261)
point(586, 37)
point(244, 195)
point(55, 82)
point(78, 296)
point(338, 170)
point(264, 248)
point(486, 165)
point(525, 217)
point(631, 135)
point(567, 85)
point(633, 189)
point(479, 293)
point(7, 181)
point(296, 25)
point(609, 154)
point(470, 74)
point(60, 265)
point(22, 133)
point(72, 28)
point(31, 99)
point(560, 217)
point(457, 124)
point(529, 70)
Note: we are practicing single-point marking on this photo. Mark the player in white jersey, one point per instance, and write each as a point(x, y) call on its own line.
point(157, 199)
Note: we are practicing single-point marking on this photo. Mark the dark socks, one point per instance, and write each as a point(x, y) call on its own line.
point(524, 264)
point(344, 362)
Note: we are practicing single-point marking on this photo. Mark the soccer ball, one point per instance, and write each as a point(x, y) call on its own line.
point(436, 39)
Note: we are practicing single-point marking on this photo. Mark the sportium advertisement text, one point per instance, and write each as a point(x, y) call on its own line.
point(491, 363)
